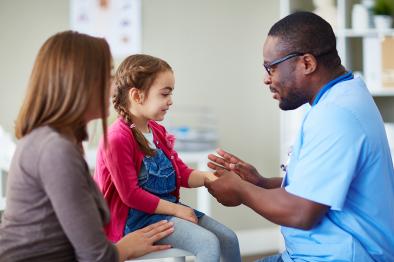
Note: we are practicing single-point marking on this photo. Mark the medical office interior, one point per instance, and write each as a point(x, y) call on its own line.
point(215, 49)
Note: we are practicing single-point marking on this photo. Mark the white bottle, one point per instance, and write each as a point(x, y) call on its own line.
point(360, 17)
point(327, 10)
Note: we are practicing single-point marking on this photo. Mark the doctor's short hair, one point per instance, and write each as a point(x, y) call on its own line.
point(306, 32)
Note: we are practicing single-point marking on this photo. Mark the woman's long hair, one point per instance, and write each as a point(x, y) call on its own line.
point(138, 71)
point(70, 70)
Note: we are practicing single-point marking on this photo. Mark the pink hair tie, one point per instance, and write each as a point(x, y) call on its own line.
point(132, 126)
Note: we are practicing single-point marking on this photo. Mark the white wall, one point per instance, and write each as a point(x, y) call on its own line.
point(215, 48)
point(24, 26)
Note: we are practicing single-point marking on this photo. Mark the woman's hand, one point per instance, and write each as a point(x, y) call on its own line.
point(141, 242)
point(232, 163)
point(186, 213)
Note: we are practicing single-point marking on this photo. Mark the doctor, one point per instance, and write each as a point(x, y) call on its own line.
point(335, 200)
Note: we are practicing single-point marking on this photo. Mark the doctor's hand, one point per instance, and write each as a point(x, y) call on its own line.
point(226, 189)
point(232, 163)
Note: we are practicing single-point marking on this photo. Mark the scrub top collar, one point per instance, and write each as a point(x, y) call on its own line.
point(326, 87)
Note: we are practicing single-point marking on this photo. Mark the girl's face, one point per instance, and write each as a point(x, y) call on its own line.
point(158, 100)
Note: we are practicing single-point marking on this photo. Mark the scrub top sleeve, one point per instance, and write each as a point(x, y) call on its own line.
point(332, 141)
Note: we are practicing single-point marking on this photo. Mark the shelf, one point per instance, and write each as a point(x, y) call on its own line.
point(382, 92)
point(364, 33)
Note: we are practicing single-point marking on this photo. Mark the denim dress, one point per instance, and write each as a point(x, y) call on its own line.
point(158, 177)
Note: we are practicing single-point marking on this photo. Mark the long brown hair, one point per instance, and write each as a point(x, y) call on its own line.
point(69, 70)
point(138, 71)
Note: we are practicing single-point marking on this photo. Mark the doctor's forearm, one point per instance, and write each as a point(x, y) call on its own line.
point(280, 207)
point(270, 183)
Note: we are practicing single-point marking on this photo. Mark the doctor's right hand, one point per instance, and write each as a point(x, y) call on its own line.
point(230, 162)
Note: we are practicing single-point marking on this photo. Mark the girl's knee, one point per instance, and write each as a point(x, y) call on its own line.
point(227, 234)
point(210, 239)
point(209, 248)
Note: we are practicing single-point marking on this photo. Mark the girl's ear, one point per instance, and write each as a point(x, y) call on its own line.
point(136, 96)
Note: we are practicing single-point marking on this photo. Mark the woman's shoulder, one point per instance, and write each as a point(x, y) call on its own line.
point(44, 146)
point(46, 138)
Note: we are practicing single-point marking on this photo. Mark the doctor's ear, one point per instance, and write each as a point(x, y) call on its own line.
point(136, 95)
point(309, 63)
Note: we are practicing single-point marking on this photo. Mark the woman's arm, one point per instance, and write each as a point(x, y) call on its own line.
point(71, 190)
point(141, 241)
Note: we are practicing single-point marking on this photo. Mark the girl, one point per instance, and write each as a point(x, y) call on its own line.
point(54, 210)
point(140, 173)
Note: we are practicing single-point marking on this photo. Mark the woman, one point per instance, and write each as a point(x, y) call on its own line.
point(54, 210)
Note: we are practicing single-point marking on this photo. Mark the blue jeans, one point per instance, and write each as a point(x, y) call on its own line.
point(208, 241)
point(274, 258)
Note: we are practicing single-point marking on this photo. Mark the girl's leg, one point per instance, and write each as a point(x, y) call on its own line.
point(229, 245)
point(275, 258)
point(195, 239)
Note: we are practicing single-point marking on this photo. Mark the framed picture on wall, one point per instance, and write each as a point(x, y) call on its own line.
point(118, 21)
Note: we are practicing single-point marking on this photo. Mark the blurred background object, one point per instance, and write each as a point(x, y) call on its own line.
point(194, 127)
point(383, 11)
point(7, 149)
point(327, 10)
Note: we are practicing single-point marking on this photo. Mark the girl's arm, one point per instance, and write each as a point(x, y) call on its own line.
point(178, 210)
point(118, 157)
point(197, 178)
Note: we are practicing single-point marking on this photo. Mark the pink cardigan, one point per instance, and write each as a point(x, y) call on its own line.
point(117, 169)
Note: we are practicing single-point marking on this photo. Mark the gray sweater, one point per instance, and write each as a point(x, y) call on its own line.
point(54, 210)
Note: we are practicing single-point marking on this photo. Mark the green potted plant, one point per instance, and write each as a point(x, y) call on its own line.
point(383, 10)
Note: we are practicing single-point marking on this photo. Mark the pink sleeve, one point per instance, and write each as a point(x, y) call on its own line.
point(120, 163)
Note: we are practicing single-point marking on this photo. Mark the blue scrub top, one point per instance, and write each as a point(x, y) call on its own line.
point(342, 159)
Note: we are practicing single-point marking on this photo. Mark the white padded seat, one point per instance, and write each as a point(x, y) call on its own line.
point(172, 254)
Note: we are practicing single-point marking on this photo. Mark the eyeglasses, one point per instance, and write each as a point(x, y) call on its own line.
point(268, 67)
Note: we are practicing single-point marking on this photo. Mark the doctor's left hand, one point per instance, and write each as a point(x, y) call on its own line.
point(226, 189)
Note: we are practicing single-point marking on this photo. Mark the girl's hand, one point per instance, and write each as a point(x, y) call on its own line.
point(186, 213)
point(141, 242)
point(210, 177)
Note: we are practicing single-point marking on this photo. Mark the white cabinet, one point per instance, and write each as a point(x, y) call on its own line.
point(354, 48)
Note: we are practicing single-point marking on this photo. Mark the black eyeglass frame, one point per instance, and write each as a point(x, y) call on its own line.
point(268, 67)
